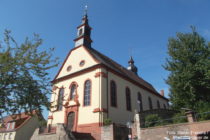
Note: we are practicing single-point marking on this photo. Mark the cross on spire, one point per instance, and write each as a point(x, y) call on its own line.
point(86, 9)
point(83, 32)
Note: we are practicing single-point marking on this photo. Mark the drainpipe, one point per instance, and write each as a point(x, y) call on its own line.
point(107, 89)
point(99, 98)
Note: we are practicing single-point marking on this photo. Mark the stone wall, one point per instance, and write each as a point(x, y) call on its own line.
point(192, 130)
point(114, 132)
point(59, 134)
point(163, 113)
point(107, 132)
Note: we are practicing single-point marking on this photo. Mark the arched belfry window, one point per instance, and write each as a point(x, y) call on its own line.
point(150, 103)
point(87, 92)
point(113, 94)
point(139, 101)
point(73, 91)
point(158, 104)
point(128, 99)
point(60, 99)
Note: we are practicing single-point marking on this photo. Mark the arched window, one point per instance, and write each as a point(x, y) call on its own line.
point(150, 103)
point(60, 99)
point(113, 94)
point(73, 91)
point(164, 106)
point(128, 99)
point(158, 104)
point(139, 101)
point(87, 91)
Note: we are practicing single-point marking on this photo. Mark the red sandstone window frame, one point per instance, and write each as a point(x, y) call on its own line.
point(128, 99)
point(69, 68)
point(71, 97)
point(60, 99)
point(113, 93)
point(82, 63)
point(90, 93)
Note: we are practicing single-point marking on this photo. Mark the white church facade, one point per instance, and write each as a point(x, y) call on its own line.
point(91, 87)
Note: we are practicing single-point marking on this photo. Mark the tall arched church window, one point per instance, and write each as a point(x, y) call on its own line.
point(150, 103)
point(164, 106)
point(113, 94)
point(128, 99)
point(87, 90)
point(158, 104)
point(60, 99)
point(73, 91)
point(139, 101)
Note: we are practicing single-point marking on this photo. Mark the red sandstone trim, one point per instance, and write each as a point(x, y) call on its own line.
point(90, 93)
point(81, 65)
point(93, 128)
point(100, 110)
point(69, 109)
point(68, 57)
point(102, 74)
point(73, 83)
point(54, 88)
point(50, 117)
point(111, 70)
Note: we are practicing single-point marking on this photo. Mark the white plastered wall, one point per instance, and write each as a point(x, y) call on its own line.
point(86, 114)
point(120, 114)
point(73, 60)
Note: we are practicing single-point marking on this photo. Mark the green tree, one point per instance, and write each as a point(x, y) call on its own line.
point(24, 80)
point(189, 67)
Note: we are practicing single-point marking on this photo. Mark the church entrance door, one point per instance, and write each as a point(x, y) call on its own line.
point(70, 121)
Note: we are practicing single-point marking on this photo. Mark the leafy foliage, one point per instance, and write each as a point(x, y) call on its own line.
point(107, 121)
point(203, 111)
point(24, 80)
point(189, 67)
point(152, 120)
point(179, 117)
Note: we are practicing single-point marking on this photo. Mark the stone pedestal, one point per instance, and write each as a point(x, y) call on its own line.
point(191, 116)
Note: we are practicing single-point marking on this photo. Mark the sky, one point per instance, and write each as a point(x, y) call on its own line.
point(121, 28)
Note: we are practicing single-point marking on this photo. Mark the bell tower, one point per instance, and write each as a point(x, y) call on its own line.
point(131, 66)
point(83, 32)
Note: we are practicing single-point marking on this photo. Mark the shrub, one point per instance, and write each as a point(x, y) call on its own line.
point(152, 120)
point(179, 117)
point(107, 121)
point(203, 111)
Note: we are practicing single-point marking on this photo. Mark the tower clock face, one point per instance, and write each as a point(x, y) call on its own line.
point(79, 42)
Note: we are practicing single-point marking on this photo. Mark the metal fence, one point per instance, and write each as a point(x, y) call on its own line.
point(155, 120)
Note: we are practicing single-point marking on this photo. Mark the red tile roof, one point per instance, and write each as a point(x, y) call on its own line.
point(115, 67)
point(19, 119)
point(123, 71)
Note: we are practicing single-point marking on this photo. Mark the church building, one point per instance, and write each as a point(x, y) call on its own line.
point(90, 88)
